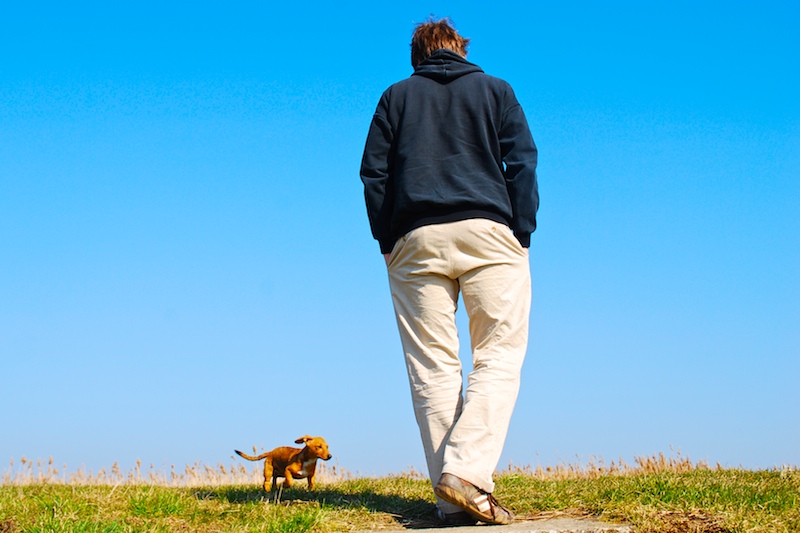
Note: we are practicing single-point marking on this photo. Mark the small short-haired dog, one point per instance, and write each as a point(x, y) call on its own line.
point(292, 463)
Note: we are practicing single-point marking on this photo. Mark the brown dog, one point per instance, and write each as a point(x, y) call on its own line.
point(292, 463)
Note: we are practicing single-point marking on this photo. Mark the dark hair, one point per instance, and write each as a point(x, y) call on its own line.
point(433, 35)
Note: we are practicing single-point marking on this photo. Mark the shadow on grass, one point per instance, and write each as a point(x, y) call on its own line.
point(410, 512)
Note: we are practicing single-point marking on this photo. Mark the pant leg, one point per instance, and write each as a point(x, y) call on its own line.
point(496, 289)
point(425, 301)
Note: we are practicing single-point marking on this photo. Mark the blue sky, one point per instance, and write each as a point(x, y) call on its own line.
point(187, 268)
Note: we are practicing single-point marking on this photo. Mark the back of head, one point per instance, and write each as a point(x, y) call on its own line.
point(433, 35)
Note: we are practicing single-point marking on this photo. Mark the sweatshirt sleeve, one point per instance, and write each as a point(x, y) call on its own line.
point(376, 172)
point(519, 153)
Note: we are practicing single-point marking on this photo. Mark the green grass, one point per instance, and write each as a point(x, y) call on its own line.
point(671, 497)
point(699, 500)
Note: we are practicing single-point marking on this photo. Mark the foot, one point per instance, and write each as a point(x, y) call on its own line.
point(479, 504)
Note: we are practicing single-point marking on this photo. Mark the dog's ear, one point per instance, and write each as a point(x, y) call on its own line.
point(303, 439)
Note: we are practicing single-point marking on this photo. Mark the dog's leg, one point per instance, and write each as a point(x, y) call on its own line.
point(287, 477)
point(269, 479)
point(311, 471)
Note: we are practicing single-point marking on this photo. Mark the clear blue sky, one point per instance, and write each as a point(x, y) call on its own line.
point(186, 265)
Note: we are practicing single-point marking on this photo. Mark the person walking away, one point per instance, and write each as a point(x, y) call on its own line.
point(449, 174)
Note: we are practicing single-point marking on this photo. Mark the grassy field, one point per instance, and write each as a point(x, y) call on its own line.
point(656, 494)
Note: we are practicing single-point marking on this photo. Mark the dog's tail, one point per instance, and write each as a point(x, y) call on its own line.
point(250, 457)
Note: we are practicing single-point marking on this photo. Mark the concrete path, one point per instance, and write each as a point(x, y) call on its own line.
point(550, 525)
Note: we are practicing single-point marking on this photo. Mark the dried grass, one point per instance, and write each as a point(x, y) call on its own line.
point(595, 468)
point(33, 472)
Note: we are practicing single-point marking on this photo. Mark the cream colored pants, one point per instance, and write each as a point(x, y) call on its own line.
point(462, 434)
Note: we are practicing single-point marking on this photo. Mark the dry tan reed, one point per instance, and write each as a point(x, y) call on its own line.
point(596, 467)
point(29, 472)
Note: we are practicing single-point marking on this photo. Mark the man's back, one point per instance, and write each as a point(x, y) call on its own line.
point(447, 130)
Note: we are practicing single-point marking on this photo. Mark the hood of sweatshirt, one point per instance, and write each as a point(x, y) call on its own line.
point(445, 66)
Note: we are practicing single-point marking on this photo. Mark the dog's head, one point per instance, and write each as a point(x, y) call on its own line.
point(317, 445)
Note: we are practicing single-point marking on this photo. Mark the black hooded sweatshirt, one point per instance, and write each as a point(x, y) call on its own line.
point(449, 143)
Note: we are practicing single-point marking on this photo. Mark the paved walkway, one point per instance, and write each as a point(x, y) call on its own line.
point(550, 525)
